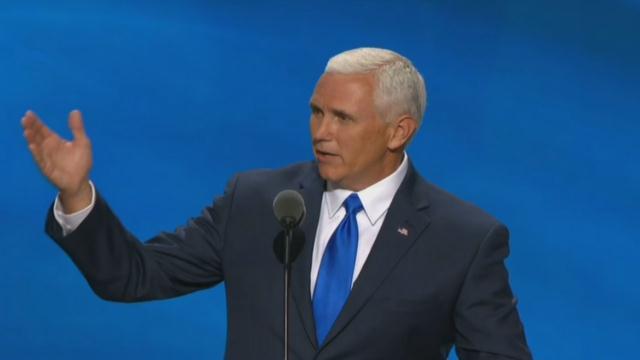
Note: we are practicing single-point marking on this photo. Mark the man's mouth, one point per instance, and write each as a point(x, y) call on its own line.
point(324, 155)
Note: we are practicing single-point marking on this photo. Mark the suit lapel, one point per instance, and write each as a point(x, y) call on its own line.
point(404, 222)
point(311, 189)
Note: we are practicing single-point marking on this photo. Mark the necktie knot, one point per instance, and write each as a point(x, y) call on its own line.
point(353, 205)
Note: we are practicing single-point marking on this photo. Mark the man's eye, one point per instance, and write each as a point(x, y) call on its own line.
point(343, 118)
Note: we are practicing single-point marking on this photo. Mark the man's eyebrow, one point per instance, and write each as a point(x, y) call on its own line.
point(336, 112)
point(314, 106)
point(342, 114)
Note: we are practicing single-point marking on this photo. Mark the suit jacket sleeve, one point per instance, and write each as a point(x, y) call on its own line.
point(118, 267)
point(486, 318)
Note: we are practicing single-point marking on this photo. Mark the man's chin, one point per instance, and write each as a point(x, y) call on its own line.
point(328, 172)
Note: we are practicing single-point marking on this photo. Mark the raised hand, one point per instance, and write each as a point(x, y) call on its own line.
point(65, 163)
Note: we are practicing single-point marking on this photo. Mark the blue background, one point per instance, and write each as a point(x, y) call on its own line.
point(533, 116)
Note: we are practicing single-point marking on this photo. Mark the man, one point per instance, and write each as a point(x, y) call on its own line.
point(393, 267)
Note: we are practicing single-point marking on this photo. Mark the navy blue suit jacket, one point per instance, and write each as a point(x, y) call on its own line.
point(435, 275)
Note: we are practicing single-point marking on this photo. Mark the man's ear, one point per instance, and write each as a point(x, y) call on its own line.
point(402, 130)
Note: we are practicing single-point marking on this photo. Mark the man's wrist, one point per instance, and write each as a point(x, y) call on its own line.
point(72, 202)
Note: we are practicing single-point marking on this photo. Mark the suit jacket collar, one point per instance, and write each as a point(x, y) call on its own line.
point(405, 221)
point(311, 187)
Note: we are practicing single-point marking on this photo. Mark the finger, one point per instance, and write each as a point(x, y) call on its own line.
point(27, 120)
point(35, 151)
point(30, 119)
point(77, 126)
point(33, 134)
point(37, 156)
point(32, 122)
point(29, 135)
point(42, 129)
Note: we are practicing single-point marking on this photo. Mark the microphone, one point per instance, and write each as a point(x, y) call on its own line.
point(288, 207)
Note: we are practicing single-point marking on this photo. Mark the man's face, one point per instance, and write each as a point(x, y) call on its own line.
point(349, 138)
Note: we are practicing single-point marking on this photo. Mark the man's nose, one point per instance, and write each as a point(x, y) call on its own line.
point(324, 129)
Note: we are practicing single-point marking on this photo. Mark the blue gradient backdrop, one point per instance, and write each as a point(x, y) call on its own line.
point(533, 116)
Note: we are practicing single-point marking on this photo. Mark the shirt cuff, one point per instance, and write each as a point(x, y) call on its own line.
point(70, 222)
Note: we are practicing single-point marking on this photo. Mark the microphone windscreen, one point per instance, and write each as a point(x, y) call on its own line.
point(295, 245)
point(288, 206)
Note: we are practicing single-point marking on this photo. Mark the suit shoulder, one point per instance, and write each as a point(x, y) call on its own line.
point(289, 174)
point(457, 212)
point(265, 184)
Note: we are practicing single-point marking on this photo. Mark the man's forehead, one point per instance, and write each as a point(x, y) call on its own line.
point(344, 86)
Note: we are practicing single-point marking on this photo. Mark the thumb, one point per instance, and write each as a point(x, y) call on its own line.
point(76, 125)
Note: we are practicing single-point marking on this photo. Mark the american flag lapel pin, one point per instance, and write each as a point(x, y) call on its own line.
point(403, 231)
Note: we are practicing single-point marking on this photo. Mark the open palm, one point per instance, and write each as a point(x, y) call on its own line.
point(65, 163)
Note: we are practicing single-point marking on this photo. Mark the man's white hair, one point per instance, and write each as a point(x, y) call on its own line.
point(400, 87)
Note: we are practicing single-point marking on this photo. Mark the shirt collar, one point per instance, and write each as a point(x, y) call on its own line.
point(375, 199)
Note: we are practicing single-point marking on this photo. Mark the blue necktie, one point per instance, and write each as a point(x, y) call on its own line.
point(333, 284)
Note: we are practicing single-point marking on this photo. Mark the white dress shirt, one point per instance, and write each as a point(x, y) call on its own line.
point(70, 222)
point(375, 200)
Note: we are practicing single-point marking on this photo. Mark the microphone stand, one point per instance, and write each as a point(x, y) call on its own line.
point(288, 207)
point(288, 235)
